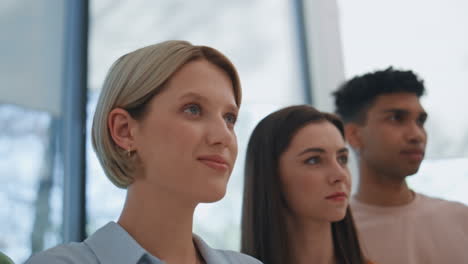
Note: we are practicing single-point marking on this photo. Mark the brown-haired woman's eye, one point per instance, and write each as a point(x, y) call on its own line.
point(343, 159)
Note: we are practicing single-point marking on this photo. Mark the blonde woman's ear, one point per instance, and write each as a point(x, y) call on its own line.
point(120, 125)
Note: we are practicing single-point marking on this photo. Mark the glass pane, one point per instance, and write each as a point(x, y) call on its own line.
point(31, 50)
point(31, 193)
point(258, 36)
point(427, 37)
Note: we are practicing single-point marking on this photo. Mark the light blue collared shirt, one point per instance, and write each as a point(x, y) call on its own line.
point(111, 244)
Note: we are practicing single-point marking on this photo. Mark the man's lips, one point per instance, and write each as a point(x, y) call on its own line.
point(216, 162)
point(413, 154)
point(338, 196)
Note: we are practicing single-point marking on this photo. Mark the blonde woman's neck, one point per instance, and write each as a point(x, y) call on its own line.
point(161, 225)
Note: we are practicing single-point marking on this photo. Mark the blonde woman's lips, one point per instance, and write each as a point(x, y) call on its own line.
point(216, 162)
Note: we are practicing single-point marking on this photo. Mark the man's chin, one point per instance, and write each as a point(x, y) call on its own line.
point(411, 171)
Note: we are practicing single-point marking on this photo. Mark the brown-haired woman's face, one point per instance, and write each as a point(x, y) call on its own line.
point(186, 141)
point(314, 174)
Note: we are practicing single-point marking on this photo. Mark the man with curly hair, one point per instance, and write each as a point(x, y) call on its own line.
point(384, 124)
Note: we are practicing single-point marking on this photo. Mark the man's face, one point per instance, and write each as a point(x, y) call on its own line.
point(392, 140)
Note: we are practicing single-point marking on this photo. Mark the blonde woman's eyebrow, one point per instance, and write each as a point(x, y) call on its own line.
point(191, 95)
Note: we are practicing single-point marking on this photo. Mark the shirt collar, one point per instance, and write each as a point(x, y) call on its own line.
point(209, 254)
point(112, 244)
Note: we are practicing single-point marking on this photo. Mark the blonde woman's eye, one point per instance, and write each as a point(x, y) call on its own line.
point(230, 118)
point(192, 109)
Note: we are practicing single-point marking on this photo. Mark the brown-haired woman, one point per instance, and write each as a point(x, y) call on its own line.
point(297, 184)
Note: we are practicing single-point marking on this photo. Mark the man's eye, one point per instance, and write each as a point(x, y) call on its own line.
point(396, 117)
point(192, 109)
point(421, 121)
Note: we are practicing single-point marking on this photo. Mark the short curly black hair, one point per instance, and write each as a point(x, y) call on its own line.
point(354, 97)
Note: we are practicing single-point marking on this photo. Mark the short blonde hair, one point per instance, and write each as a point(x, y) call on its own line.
point(132, 81)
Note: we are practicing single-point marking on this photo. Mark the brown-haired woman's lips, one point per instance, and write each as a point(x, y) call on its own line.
point(338, 196)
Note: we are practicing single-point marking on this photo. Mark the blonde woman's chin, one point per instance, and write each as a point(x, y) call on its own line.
point(211, 194)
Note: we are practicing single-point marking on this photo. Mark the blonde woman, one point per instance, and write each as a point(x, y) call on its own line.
point(164, 130)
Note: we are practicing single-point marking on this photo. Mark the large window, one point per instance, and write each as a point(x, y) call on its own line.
point(429, 38)
point(31, 45)
point(30, 197)
point(260, 38)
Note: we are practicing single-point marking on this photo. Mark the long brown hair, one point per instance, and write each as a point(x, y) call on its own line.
point(264, 234)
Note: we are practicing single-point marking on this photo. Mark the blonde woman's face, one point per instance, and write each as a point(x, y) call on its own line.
point(186, 142)
point(314, 173)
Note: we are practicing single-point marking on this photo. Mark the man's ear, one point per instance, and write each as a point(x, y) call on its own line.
point(353, 135)
point(120, 125)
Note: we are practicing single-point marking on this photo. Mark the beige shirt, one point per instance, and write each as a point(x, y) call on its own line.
point(426, 231)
